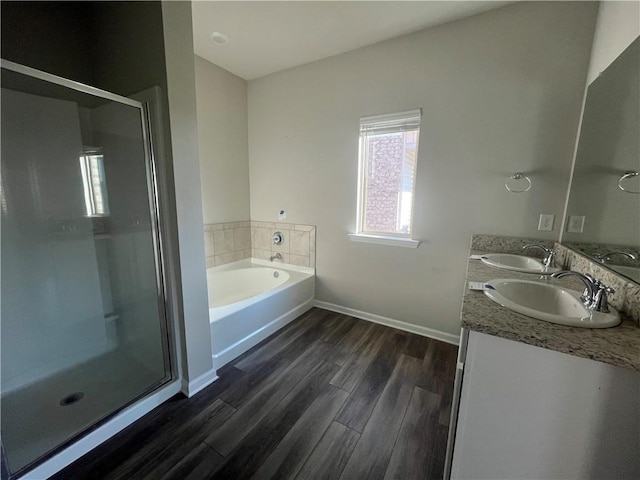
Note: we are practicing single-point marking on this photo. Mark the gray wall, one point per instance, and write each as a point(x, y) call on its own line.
point(128, 49)
point(178, 39)
point(500, 93)
point(49, 36)
point(117, 46)
point(223, 143)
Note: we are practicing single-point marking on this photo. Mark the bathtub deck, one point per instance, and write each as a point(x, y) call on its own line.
point(328, 396)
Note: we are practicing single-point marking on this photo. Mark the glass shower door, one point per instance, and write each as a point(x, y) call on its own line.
point(83, 326)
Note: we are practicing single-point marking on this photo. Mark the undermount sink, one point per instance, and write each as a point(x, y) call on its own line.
point(551, 303)
point(517, 263)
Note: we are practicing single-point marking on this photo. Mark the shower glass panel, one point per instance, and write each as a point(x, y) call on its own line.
point(83, 327)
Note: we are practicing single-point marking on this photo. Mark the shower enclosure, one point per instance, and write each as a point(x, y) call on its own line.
point(83, 323)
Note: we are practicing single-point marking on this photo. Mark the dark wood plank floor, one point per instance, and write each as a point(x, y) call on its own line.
point(327, 397)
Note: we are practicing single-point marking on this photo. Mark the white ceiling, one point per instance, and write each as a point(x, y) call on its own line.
point(266, 37)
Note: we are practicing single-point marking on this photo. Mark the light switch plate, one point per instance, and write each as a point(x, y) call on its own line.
point(575, 224)
point(546, 222)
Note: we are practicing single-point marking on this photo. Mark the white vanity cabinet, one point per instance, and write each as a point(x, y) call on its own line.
point(528, 412)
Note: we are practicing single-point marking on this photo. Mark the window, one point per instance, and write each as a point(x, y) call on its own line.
point(386, 175)
point(94, 182)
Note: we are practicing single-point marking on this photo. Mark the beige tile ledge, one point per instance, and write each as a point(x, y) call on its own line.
point(619, 346)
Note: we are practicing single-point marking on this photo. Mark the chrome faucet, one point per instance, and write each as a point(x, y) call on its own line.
point(595, 293)
point(549, 254)
point(605, 257)
point(600, 301)
point(276, 255)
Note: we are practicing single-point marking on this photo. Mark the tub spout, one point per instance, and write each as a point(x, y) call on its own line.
point(276, 255)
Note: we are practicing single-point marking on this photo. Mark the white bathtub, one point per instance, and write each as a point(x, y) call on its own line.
point(251, 299)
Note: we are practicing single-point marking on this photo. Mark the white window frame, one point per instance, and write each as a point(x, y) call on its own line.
point(386, 123)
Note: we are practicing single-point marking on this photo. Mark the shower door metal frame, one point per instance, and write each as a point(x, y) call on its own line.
point(168, 345)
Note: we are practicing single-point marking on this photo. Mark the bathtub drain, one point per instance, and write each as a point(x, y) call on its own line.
point(71, 399)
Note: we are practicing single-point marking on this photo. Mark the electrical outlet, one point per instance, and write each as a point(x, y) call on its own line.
point(546, 222)
point(575, 224)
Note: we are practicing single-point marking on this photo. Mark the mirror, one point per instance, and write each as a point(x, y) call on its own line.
point(602, 219)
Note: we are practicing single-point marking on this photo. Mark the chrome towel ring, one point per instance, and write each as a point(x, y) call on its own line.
point(519, 176)
point(625, 177)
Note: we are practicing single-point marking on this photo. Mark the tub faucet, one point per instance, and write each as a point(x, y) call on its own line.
point(595, 294)
point(276, 255)
point(549, 254)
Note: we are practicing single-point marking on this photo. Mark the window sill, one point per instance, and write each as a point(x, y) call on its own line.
point(384, 240)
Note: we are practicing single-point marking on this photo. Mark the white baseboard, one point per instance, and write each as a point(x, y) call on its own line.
point(190, 388)
point(391, 322)
point(102, 433)
point(238, 348)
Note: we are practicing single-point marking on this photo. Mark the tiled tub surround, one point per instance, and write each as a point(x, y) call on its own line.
point(616, 346)
point(227, 242)
point(230, 242)
point(298, 247)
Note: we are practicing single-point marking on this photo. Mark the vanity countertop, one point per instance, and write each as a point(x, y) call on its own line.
point(618, 346)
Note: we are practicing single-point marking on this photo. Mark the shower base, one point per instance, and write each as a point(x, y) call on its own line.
point(44, 415)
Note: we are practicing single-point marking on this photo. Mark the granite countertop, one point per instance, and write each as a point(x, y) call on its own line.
point(619, 346)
